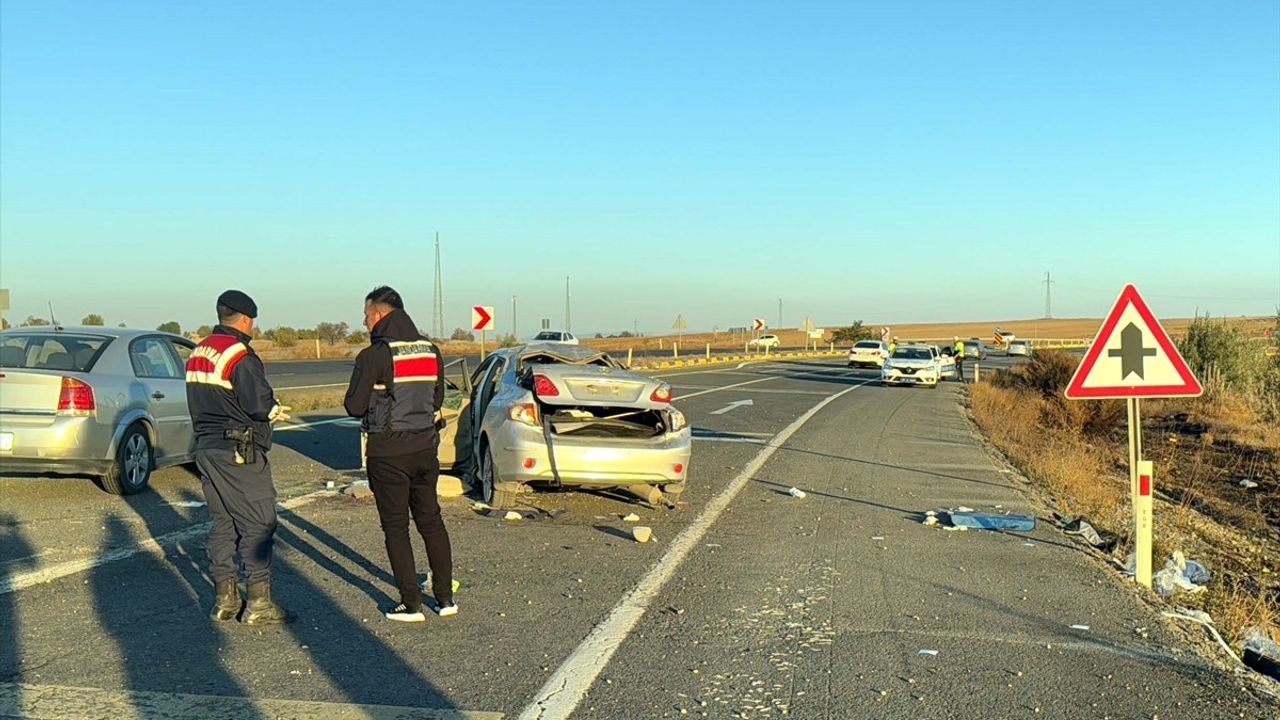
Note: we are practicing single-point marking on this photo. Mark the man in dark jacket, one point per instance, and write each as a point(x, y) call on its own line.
point(232, 407)
point(397, 390)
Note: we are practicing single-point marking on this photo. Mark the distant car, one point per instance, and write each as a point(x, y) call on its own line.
point(95, 401)
point(912, 365)
point(555, 336)
point(868, 353)
point(554, 415)
point(974, 350)
point(1020, 347)
point(765, 341)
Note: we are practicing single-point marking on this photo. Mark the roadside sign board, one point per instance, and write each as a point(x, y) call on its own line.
point(482, 317)
point(757, 324)
point(1132, 357)
point(680, 323)
point(884, 334)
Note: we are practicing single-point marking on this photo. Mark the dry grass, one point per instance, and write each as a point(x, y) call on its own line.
point(302, 401)
point(1201, 511)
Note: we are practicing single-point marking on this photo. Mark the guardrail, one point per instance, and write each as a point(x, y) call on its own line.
point(704, 360)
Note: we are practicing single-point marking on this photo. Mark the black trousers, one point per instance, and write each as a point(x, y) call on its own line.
point(242, 505)
point(404, 486)
point(960, 369)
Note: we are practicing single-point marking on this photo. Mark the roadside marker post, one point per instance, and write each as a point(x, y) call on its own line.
point(1130, 358)
point(1142, 522)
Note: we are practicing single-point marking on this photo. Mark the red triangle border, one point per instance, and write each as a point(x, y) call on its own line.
point(1190, 387)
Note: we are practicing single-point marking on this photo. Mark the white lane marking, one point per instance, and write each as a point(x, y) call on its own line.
point(755, 390)
point(345, 421)
point(566, 688)
point(734, 406)
point(311, 387)
point(764, 379)
point(723, 439)
point(40, 576)
point(59, 702)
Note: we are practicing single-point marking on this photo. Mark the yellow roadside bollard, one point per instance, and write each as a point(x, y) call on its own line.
point(1142, 522)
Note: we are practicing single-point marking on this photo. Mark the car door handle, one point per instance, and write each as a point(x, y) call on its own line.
point(157, 395)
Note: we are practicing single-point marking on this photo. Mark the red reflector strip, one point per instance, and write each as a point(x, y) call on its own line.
point(426, 367)
point(1144, 485)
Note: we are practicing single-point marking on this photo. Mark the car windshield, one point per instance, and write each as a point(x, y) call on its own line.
point(547, 335)
point(867, 344)
point(911, 354)
point(51, 351)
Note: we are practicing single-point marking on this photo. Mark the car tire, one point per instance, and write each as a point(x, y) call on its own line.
point(130, 472)
point(492, 496)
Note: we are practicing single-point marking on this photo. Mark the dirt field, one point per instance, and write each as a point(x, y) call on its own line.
point(1070, 328)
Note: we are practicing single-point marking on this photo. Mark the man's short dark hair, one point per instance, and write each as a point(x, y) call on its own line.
point(227, 316)
point(384, 295)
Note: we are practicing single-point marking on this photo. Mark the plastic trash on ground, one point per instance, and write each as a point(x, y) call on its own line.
point(796, 492)
point(1179, 573)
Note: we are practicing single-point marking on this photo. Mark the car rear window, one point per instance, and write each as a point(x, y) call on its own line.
point(51, 351)
point(867, 344)
point(547, 336)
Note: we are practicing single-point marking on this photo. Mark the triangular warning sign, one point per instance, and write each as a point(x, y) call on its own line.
point(1132, 356)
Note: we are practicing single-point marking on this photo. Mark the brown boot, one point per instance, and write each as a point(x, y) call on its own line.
point(226, 601)
point(260, 610)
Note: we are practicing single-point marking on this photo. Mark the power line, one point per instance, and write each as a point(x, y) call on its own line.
point(437, 311)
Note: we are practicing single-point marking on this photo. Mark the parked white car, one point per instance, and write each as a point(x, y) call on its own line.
point(765, 341)
point(1020, 347)
point(555, 336)
point(911, 365)
point(868, 353)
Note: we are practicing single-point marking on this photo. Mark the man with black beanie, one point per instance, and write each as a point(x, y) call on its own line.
point(397, 390)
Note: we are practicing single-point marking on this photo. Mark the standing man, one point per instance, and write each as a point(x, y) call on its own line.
point(232, 408)
point(958, 349)
point(397, 390)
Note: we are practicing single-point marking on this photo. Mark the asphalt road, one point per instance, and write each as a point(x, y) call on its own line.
point(316, 374)
point(750, 603)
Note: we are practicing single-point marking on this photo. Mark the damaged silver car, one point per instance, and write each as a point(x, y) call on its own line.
point(556, 415)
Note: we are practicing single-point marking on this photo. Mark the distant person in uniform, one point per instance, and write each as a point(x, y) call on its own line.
point(232, 407)
point(397, 390)
point(958, 349)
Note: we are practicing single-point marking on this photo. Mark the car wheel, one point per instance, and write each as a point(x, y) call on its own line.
point(493, 497)
point(134, 461)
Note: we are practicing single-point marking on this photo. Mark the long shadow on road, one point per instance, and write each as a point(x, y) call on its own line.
point(16, 552)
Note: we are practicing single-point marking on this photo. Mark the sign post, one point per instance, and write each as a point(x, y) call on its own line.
point(482, 320)
point(1132, 357)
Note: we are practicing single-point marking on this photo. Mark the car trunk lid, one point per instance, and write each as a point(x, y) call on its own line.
point(29, 393)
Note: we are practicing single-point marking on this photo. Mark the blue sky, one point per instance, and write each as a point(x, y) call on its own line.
point(891, 162)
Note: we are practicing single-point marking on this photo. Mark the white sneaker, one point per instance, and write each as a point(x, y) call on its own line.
point(447, 610)
point(402, 613)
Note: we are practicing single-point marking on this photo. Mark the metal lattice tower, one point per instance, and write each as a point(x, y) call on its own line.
point(437, 310)
point(1048, 313)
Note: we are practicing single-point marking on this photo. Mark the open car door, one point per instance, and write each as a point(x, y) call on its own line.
point(455, 439)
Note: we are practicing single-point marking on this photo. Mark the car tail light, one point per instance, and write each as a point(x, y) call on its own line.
point(76, 398)
point(679, 468)
point(662, 394)
point(543, 387)
point(526, 413)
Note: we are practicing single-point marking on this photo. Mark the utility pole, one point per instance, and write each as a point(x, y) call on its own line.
point(567, 326)
point(1048, 283)
point(779, 313)
point(437, 310)
point(515, 329)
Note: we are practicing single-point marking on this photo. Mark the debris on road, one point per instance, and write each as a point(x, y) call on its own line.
point(631, 518)
point(641, 533)
point(1248, 484)
point(993, 521)
point(796, 493)
point(1080, 627)
point(930, 653)
point(1082, 529)
point(512, 515)
point(1201, 617)
point(359, 490)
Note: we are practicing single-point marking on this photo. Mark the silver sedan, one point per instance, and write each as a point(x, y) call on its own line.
point(96, 401)
point(564, 415)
